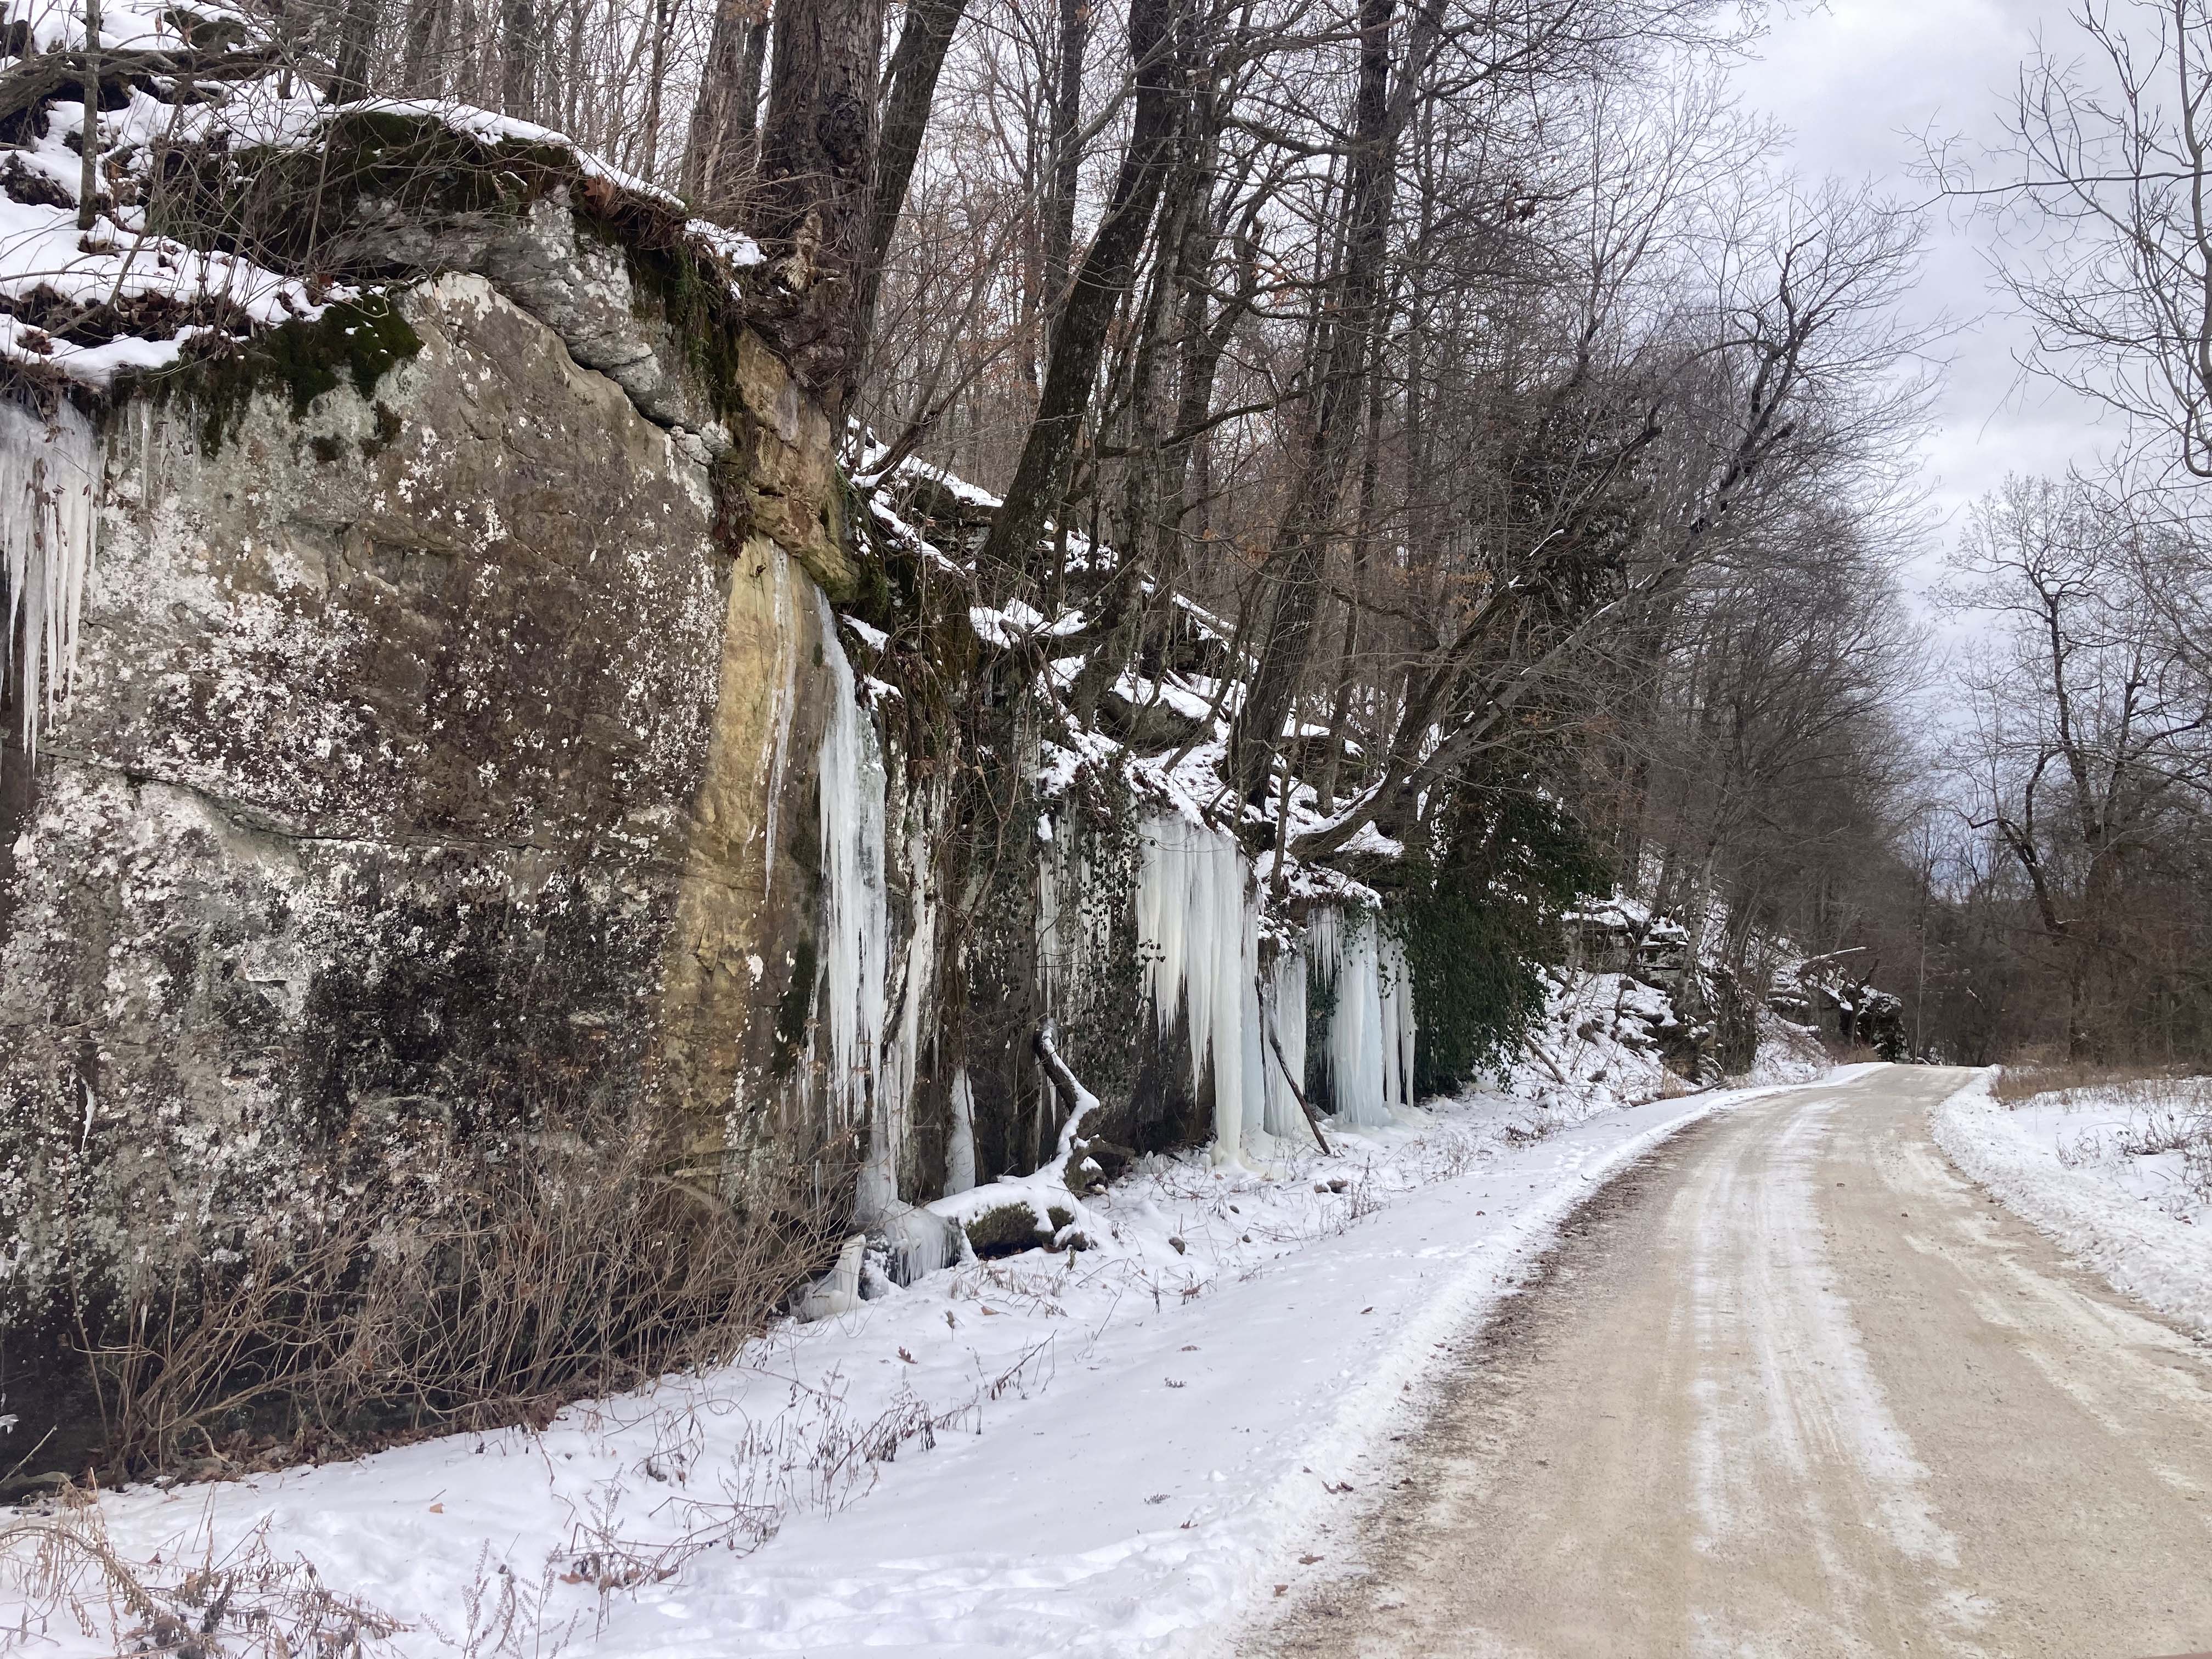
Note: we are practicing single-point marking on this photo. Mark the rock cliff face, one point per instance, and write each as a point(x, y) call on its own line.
point(441, 757)
point(442, 750)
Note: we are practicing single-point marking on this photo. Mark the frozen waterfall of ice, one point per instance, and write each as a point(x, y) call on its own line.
point(1198, 931)
point(49, 534)
point(1370, 1049)
point(960, 1151)
point(1283, 1058)
point(856, 931)
point(1075, 931)
point(901, 1055)
point(1197, 934)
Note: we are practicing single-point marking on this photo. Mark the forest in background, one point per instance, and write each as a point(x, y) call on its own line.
point(1549, 446)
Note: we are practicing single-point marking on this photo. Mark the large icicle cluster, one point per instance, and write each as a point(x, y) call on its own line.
point(1370, 1053)
point(902, 1050)
point(856, 926)
point(1198, 928)
point(1075, 928)
point(1282, 1017)
point(49, 533)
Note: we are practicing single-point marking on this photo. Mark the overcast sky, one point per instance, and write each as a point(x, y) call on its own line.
point(1857, 81)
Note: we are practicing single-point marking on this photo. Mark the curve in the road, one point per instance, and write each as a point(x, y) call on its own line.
point(1791, 1386)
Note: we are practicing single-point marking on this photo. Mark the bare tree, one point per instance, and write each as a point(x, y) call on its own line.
point(1798, 369)
point(1100, 284)
point(817, 169)
point(2088, 756)
point(725, 118)
point(2104, 183)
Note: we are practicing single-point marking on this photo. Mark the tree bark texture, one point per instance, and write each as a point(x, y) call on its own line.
point(915, 63)
point(727, 117)
point(1347, 330)
point(818, 171)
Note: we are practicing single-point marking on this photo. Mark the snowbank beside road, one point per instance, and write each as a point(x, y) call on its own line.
point(2051, 1162)
point(1108, 1451)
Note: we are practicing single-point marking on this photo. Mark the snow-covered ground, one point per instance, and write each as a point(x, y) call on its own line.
point(1598, 1043)
point(2083, 1166)
point(1109, 1451)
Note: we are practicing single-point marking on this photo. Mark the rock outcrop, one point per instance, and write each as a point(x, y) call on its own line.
point(440, 755)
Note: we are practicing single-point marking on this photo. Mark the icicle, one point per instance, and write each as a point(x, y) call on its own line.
point(960, 1151)
point(785, 699)
point(1284, 1056)
point(856, 923)
point(1075, 932)
point(1197, 927)
point(49, 533)
point(1197, 936)
point(1401, 1015)
point(1386, 1022)
point(1364, 1050)
point(1251, 1067)
point(839, 1290)
point(901, 1056)
point(1052, 863)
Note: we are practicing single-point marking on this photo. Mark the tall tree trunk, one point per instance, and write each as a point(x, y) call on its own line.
point(718, 94)
point(518, 59)
point(1117, 625)
point(87, 192)
point(421, 74)
point(357, 25)
point(1078, 334)
point(1370, 470)
point(572, 94)
point(1202, 333)
point(1343, 340)
point(915, 63)
point(727, 113)
point(664, 19)
point(817, 171)
point(1066, 159)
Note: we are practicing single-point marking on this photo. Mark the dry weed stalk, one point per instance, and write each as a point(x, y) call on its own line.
point(245, 1603)
point(477, 1289)
point(2165, 1112)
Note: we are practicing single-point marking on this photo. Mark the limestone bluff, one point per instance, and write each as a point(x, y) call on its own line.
point(461, 708)
point(433, 692)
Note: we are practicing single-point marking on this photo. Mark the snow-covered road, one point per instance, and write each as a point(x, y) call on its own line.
point(1792, 1386)
point(1122, 1451)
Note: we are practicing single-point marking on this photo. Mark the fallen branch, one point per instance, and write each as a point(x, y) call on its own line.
point(1299, 1094)
point(55, 73)
point(1081, 1102)
point(1550, 1065)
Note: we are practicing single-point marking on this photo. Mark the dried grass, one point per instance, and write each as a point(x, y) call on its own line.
point(2164, 1112)
point(2016, 1084)
point(489, 1288)
point(199, 1600)
point(245, 1602)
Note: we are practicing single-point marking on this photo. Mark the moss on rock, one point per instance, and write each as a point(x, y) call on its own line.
point(1007, 1229)
point(352, 341)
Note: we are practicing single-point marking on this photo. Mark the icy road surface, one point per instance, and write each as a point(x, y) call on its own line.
point(1792, 1386)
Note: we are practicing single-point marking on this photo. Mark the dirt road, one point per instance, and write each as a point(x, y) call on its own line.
point(1791, 1386)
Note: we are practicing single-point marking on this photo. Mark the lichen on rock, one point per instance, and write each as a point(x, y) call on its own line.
point(441, 749)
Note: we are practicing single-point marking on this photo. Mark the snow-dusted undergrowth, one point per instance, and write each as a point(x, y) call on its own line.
point(1598, 1044)
point(1101, 1450)
point(2062, 1160)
